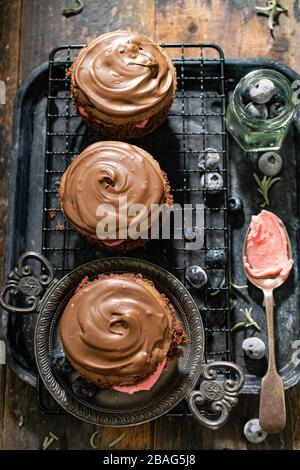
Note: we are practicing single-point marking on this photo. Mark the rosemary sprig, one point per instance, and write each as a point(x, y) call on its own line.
point(49, 440)
point(250, 322)
point(19, 418)
point(68, 11)
point(273, 10)
point(92, 439)
point(264, 187)
point(216, 292)
point(235, 286)
point(117, 440)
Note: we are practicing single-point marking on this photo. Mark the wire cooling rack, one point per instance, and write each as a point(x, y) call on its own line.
point(195, 123)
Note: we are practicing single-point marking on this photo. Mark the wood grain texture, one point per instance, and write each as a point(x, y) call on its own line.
point(293, 417)
point(185, 433)
point(9, 50)
point(43, 28)
point(232, 24)
point(72, 433)
point(30, 30)
point(9, 65)
point(47, 27)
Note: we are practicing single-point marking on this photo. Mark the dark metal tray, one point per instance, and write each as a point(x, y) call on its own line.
point(26, 206)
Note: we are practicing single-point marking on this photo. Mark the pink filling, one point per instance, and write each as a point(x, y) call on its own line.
point(143, 124)
point(83, 112)
point(267, 248)
point(140, 125)
point(115, 243)
point(147, 384)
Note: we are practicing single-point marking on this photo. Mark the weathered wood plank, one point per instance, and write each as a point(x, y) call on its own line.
point(231, 435)
point(44, 26)
point(72, 433)
point(235, 26)
point(186, 433)
point(9, 47)
point(232, 24)
point(177, 433)
point(293, 406)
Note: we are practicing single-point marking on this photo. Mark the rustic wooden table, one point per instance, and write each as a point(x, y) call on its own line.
point(29, 29)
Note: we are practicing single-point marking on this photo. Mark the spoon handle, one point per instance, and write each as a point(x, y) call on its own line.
point(272, 414)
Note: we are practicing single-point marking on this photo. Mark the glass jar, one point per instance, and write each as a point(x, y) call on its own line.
point(255, 134)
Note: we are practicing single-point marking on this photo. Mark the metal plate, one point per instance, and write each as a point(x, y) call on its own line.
point(112, 408)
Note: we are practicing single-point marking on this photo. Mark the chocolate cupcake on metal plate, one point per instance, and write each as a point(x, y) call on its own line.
point(101, 189)
point(123, 84)
point(119, 331)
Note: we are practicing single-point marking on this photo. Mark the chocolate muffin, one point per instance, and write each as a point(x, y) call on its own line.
point(123, 84)
point(118, 331)
point(99, 184)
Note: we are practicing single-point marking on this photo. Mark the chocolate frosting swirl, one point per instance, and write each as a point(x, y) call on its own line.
point(123, 74)
point(116, 326)
point(103, 173)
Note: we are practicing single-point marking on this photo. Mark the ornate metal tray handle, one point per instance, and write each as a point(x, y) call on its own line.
point(22, 281)
point(220, 397)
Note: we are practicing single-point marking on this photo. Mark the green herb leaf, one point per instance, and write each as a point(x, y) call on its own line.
point(238, 326)
point(235, 286)
point(48, 441)
point(272, 181)
point(250, 322)
point(92, 440)
point(117, 440)
point(263, 10)
point(273, 12)
point(19, 418)
point(264, 187)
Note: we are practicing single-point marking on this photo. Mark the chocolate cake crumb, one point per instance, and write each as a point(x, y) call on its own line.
point(59, 226)
point(179, 337)
point(85, 281)
point(52, 213)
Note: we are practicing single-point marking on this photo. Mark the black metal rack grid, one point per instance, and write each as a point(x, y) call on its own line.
point(196, 122)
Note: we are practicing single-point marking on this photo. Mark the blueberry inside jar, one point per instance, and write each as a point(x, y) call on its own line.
point(261, 111)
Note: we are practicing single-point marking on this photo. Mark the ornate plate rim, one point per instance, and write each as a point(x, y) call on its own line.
point(89, 412)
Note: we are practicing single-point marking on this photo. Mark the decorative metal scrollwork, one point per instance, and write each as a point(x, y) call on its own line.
point(219, 397)
point(22, 281)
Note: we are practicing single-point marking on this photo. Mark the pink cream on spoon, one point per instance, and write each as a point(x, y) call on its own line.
point(267, 248)
point(267, 264)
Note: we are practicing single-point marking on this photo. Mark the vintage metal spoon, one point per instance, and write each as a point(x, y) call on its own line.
point(272, 412)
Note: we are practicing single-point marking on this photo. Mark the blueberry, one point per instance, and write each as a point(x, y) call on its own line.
point(253, 432)
point(259, 111)
point(276, 109)
point(84, 389)
point(235, 205)
point(278, 97)
point(262, 91)
point(270, 163)
point(196, 276)
point(59, 361)
point(246, 95)
point(254, 348)
point(212, 182)
point(215, 258)
point(190, 233)
point(209, 159)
